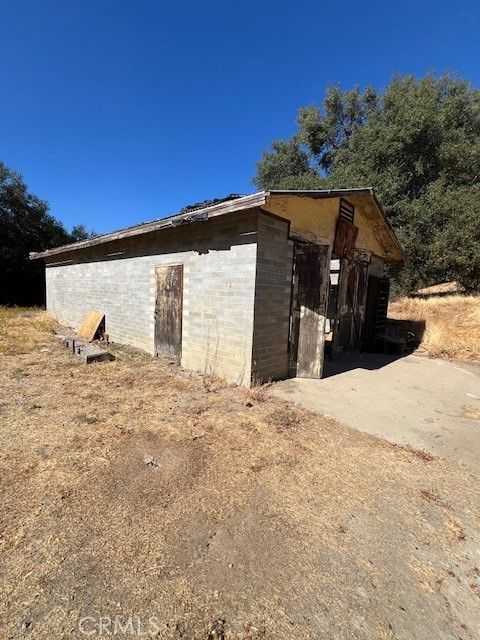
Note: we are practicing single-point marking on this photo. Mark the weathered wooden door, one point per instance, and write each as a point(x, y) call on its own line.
point(350, 307)
point(376, 312)
point(168, 311)
point(309, 308)
point(360, 301)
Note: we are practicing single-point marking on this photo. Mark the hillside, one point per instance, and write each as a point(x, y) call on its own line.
point(445, 327)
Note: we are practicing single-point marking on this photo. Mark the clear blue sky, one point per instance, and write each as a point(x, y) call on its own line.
point(117, 112)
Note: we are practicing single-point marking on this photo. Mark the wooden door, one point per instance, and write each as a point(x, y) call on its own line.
point(168, 310)
point(375, 312)
point(350, 313)
point(342, 333)
point(309, 308)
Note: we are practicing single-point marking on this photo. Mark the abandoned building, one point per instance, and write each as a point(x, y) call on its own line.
point(248, 288)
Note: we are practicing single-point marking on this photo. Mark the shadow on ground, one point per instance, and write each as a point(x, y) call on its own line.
point(401, 338)
point(352, 361)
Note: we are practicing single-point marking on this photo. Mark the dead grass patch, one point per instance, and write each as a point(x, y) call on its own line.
point(431, 496)
point(130, 488)
point(454, 530)
point(451, 324)
point(471, 412)
point(258, 391)
point(23, 329)
point(421, 454)
point(283, 418)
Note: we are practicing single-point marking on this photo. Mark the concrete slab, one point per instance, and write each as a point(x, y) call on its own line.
point(80, 347)
point(411, 400)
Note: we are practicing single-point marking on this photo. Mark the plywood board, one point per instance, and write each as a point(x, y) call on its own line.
point(90, 324)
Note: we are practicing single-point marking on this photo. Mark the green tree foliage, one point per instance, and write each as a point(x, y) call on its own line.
point(25, 225)
point(80, 232)
point(286, 166)
point(418, 145)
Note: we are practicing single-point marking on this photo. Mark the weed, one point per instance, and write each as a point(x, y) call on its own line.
point(258, 391)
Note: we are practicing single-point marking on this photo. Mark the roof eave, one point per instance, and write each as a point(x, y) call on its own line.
point(356, 191)
point(402, 255)
point(230, 206)
point(321, 193)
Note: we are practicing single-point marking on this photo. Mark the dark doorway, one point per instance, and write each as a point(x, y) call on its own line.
point(168, 311)
point(376, 313)
point(346, 318)
point(309, 308)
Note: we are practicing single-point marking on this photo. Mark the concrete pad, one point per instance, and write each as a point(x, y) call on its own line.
point(414, 400)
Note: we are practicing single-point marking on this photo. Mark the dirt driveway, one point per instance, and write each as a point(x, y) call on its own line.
point(427, 403)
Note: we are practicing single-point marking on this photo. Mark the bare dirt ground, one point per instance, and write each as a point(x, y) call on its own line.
point(132, 489)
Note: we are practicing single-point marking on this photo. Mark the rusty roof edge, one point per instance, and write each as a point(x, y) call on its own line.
point(320, 193)
point(229, 206)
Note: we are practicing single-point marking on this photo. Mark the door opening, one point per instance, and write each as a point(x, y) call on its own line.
point(348, 315)
point(376, 313)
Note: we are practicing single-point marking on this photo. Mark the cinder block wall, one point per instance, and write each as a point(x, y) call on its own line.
point(272, 299)
point(118, 279)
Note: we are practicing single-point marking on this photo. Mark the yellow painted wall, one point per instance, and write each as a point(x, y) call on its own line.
point(316, 219)
point(312, 217)
point(367, 238)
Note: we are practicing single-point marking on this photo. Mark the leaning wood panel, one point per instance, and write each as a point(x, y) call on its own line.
point(342, 333)
point(90, 325)
point(168, 311)
point(360, 299)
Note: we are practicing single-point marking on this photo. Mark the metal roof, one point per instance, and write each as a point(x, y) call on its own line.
point(209, 209)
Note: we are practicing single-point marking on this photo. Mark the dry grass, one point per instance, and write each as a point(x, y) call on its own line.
point(131, 488)
point(21, 329)
point(258, 391)
point(442, 289)
point(446, 327)
point(471, 412)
